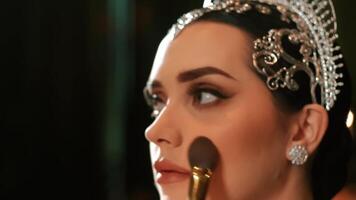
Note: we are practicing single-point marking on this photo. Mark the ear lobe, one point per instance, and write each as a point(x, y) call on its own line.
point(312, 122)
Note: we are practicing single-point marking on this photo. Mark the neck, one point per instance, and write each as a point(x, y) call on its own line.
point(296, 186)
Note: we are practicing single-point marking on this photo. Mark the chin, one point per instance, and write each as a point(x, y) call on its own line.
point(173, 191)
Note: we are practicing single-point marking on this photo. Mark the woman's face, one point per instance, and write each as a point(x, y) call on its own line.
point(202, 84)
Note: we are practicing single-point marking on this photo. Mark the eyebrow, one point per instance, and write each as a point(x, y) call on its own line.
point(202, 71)
point(191, 75)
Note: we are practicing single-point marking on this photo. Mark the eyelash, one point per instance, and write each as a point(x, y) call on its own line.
point(196, 91)
point(154, 100)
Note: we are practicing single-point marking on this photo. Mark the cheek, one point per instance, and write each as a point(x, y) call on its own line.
point(251, 142)
point(252, 137)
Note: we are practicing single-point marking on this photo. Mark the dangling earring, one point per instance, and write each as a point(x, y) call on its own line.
point(298, 154)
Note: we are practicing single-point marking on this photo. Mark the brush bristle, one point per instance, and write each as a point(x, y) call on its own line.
point(203, 153)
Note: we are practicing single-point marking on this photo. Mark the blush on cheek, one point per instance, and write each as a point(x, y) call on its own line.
point(252, 150)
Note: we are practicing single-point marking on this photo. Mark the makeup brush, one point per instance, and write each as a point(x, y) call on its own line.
point(203, 158)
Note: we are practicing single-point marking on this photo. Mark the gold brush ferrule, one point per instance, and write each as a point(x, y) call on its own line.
point(199, 183)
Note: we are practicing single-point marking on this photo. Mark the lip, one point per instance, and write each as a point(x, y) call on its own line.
point(168, 172)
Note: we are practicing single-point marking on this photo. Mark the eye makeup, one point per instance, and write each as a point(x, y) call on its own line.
point(200, 94)
point(206, 94)
point(155, 101)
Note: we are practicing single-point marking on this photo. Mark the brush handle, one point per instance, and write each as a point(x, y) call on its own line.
point(199, 183)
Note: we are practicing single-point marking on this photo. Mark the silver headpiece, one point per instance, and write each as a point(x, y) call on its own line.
point(316, 34)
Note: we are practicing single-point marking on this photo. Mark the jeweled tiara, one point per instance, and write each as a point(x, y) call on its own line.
point(316, 33)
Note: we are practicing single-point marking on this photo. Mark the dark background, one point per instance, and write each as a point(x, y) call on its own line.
point(72, 114)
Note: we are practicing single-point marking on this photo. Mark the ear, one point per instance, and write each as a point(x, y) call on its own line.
point(309, 127)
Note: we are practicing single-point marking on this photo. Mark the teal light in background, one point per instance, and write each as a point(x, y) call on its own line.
point(120, 75)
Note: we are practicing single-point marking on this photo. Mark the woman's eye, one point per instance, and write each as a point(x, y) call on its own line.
point(157, 105)
point(155, 101)
point(205, 97)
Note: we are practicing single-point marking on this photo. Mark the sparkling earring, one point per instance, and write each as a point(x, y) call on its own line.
point(298, 154)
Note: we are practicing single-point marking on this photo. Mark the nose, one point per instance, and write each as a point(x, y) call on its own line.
point(165, 130)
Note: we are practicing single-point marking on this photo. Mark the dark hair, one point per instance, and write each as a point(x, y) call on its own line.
point(329, 165)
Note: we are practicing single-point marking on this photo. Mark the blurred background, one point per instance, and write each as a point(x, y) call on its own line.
point(72, 114)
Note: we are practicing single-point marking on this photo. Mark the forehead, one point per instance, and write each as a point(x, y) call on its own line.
point(200, 44)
